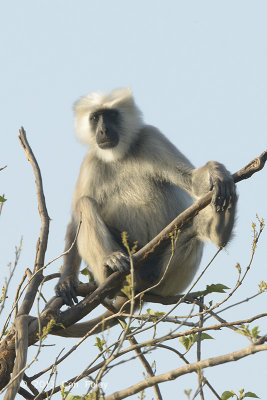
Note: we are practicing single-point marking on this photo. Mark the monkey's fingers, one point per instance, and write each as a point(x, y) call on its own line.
point(67, 293)
point(218, 196)
point(118, 261)
point(224, 194)
point(230, 193)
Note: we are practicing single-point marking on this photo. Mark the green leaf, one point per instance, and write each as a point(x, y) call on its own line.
point(216, 288)
point(186, 342)
point(99, 343)
point(255, 331)
point(238, 267)
point(126, 289)
point(262, 286)
point(242, 332)
point(193, 338)
point(227, 395)
point(152, 312)
point(123, 324)
point(250, 394)
point(86, 272)
point(206, 336)
point(2, 199)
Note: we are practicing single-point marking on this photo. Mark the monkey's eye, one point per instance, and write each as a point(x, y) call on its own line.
point(94, 117)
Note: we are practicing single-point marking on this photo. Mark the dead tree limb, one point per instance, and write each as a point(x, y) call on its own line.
point(22, 347)
point(43, 238)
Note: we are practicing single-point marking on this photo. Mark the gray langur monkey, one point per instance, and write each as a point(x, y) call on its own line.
point(133, 179)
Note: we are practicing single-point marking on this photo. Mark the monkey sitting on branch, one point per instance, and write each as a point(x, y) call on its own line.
point(134, 180)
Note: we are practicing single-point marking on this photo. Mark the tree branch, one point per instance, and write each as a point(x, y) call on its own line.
point(187, 369)
point(43, 238)
point(36, 279)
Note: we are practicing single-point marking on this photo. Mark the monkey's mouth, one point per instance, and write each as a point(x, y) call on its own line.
point(107, 138)
point(108, 144)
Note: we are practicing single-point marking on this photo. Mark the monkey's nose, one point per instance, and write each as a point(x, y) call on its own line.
point(103, 133)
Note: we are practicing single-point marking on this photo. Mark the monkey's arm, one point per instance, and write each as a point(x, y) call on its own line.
point(67, 283)
point(215, 223)
point(215, 176)
point(171, 165)
point(95, 245)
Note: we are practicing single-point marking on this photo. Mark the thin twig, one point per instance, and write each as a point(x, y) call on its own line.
point(146, 365)
point(199, 338)
point(11, 273)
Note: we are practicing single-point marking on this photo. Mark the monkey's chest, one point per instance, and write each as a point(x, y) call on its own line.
point(142, 208)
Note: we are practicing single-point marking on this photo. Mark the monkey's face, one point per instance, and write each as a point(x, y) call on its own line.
point(109, 124)
point(106, 125)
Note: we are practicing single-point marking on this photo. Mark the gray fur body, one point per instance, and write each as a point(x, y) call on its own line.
point(139, 186)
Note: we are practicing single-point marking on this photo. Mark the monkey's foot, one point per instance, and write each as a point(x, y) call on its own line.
point(67, 290)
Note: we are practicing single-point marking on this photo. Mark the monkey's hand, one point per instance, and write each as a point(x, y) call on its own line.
point(214, 176)
point(117, 261)
point(222, 183)
point(66, 288)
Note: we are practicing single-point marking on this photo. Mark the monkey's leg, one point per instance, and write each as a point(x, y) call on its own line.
point(71, 263)
point(96, 245)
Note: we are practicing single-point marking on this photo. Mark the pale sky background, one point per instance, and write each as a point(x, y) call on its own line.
point(198, 72)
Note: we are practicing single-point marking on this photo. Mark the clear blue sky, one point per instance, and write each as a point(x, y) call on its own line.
point(198, 72)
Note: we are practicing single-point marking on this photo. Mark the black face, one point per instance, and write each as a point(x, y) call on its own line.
point(106, 124)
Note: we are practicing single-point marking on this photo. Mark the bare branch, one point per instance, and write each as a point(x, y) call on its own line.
point(147, 367)
point(21, 325)
point(30, 295)
point(43, 238)
point(199, 372)
point(187, 369)
point(207, 383)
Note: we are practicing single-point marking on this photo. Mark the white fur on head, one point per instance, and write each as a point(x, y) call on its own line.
point(120, 99)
